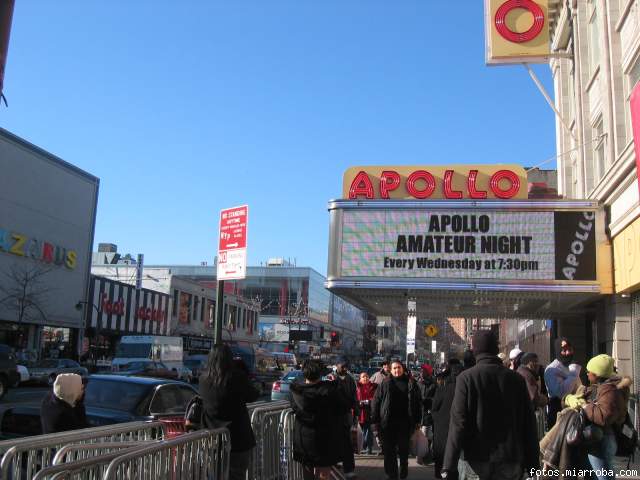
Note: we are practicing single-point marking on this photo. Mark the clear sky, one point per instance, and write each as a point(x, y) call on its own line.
point(182, 108)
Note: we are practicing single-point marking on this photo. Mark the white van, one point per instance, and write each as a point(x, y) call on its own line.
point(131, 348)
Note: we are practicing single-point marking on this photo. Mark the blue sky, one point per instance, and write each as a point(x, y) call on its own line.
point(184, 108)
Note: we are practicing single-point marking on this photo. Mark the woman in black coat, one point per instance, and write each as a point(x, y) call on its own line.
point(225, 392)
point(320, 407)
point(440, 411)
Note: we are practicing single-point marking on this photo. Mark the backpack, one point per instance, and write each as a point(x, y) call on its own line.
point(194, 412)
point(626, 437)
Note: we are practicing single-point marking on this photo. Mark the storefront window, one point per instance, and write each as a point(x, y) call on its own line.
point(56, 342)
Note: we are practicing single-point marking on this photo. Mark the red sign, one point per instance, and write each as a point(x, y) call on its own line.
point(635, 123)
point(232, 243)
point(516, 37)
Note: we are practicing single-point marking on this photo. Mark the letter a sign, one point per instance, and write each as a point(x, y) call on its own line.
point(232, 243)
point(516, 31)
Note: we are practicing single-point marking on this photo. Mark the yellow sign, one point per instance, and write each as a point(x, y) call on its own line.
point(517, 31)
point(431, 330)
point(626, 258)
point(455, 182)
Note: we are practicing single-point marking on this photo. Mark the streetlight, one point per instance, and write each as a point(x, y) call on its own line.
point(79, 306)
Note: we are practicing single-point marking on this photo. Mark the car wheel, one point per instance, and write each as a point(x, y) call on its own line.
point(52, 379)
point(3, 385)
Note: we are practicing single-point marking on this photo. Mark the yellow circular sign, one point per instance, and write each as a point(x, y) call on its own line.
point(431, 330)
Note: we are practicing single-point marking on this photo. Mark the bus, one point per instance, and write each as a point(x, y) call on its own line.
point(131, 348)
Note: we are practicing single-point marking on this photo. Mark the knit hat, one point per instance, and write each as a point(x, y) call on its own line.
point(427, 369)
point(513, 354)
point(601, 366)
point(68, 388)
point(484, 341)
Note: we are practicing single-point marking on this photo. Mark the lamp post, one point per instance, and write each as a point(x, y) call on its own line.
point(79, 307)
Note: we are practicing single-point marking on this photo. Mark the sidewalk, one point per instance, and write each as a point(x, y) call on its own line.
point(371, 467)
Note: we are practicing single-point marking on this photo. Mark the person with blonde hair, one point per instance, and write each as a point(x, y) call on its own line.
point(62, 408)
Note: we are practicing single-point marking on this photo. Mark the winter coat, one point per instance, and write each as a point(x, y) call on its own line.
point(533, 387)
point(223, 404)
point(492, 418)
point(365, 393)
point(427, 391)
point(56, 415)
point(610, 406)
point(317, 430)
point(560, 380)
point(440, 412)
point(350, 388)
point(381, 407)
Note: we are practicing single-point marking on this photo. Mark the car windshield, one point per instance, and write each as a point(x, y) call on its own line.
point(134, 366)
point(134, 350)
point(113, 394)
point(47, 364)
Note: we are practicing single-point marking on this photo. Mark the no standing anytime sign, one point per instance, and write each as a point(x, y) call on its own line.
point(232, 243)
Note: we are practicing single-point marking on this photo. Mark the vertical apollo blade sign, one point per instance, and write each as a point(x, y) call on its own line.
point(634, 104)
point(232, 256)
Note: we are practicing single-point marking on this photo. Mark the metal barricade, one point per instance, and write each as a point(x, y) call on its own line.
point(201, 455)
point(265, 422)
point(289, 468)
point(541, 421)
point(76, 452)
point(23, 458)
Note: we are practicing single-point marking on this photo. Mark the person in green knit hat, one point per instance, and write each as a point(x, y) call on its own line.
point(604, 404)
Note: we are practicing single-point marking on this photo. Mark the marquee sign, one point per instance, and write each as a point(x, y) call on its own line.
point(517, 31)
point(480, 182)
point(454, 244)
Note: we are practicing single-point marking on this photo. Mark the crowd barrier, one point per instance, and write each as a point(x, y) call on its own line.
point(289, 468)
point(22, 459)
point(541, 422)
point(265, 422)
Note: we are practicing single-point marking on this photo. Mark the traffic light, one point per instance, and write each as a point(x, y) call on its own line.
point(334, 339)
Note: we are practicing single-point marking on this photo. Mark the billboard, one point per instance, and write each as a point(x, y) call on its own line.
point(517, 31)
point(469, 244)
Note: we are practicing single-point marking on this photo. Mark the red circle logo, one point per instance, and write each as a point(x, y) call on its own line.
point(519, 37)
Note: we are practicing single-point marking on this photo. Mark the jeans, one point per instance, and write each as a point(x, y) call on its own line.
point(239, 463)
point(367, 437)
point(395, 437)
point(601, 457)
point(491, 470)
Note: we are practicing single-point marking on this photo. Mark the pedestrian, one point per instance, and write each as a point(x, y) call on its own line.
point(514, 359)
point(492, 422)
point(319, 408)
point(383, 373)
point(468, 359)
point(225, 392)
point(562, 378)
point(606, 406)
point(366, 392)
point(441, 412)
point(350, 418)
point(427, 391)
point(397, 412)
point(529, 370)
point(62, 408)
point(503, 359)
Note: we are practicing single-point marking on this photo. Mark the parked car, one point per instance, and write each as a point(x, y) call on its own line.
point(147, 368)
point(24, 375)
point(46, 371)
point(280, 389)
point(110, 399)
point(8, 369)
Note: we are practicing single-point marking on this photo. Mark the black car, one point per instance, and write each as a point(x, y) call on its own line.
point(9, 374)
point(110, 399)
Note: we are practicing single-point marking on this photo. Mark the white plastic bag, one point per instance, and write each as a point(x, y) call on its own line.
point(419, 445)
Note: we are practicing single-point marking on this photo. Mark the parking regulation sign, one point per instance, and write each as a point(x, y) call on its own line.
point(232, 243)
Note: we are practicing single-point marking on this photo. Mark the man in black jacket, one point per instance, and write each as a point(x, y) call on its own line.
point(397, 409)
point(492, 420)
point(348, 385)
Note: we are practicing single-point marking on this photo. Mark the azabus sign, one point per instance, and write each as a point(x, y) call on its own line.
point(453, 183)
point(516, 31)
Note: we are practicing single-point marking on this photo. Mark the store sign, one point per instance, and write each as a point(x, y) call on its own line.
point(117, 308)
point(626, 258)
point(481, 182)
point(517, 31)
point(23, 246)
point(634, 104)
point(467, 244)
point(232, 243)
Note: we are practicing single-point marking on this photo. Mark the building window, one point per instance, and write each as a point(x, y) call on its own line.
point(594, 37)
point(599, 157)
point(174, 307)
point(196, 304)
point(203, 311)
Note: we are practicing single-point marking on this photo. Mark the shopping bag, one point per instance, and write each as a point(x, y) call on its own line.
point(419, 445)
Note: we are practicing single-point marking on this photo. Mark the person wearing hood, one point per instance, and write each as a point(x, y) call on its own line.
point(319, 408)
point(605, 407)
point(397, 410)
point(529, 370)
point(562, 377)
point(492, 420)
point(63, 409)
point(440, 411)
